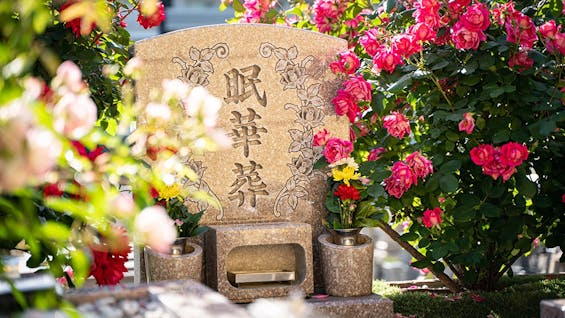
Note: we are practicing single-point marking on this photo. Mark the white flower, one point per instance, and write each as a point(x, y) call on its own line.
point(74, 115)
point(200, 104)
point(43, 151)
point(174, 89)
point(158, 111)
point(292, 307)
point(155, 228)
point(69, 77)
point(133, 67)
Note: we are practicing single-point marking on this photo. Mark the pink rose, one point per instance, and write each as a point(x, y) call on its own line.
point(74, 115)
point(467, 124)
point(513, 154)
point(422, 32)
point(385, 59)
point(520, 61)
point(476, 18)
point(123, 205)
point(347, 63)
point(548, 30)
point(429, 16)
point(155, 228)
point(466, 39)
point(482, 154)
point(321, 137)
point(455, 7)
point(520, 29)
point(44, 150)
point(495, 169)
point(400, 180)
point(432, 218)
point(69, 77)
point(337, 149)
point(396, 124)
point(421, 165)
point(345, 104)
point(559, 42)
point(375, 154)
point(370, 41)
point(405, 45)
point(358, 87)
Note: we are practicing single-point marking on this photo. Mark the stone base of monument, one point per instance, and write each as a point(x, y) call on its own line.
point(250, 261)
point(183, 298)
point(553, 308)
point(370, 306)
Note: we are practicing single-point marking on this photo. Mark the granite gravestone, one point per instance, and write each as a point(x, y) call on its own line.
point(276, 87)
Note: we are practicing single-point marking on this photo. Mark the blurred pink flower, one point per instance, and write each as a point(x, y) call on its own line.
point(155, 228)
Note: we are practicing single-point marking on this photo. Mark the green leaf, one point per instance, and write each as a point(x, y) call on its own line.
point(450, 166)
point(464, 213)
point(401, 83)
point(438, 267)
point(439, 252)
point(490, 210)
point(320, 163)
point(448, 183)
point(389, 5)
point(376, 190)
point(410, 236)
point(525, 186)
point(501, 136)
point(421, 263)
point(237, 6)
point(56, 231)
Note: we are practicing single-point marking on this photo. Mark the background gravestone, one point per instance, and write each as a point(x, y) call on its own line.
point(276, 88)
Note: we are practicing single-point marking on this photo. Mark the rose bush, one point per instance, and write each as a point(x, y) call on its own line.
point(66, 146)
point(463, 136)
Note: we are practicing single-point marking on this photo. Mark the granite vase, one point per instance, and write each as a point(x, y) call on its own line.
point(183, 261)
point(347, 270)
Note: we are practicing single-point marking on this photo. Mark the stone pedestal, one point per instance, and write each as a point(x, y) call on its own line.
point(370, 306)
point(185, 264)
point(554, 308)
point(347, 270)
point(255, 249)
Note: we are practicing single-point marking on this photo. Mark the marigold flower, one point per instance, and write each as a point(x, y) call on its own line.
point(346, 174)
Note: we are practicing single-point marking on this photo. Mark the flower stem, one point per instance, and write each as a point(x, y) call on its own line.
point(446, 280)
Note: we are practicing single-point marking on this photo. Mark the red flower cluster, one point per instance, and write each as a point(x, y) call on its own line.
point(76, 24)
point(327, 13)
point(345, 192)
point(153, 20)
point(108, 265)
point(499, 161)
point(404, 175)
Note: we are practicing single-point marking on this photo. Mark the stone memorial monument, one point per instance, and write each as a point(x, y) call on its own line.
point(276, 87)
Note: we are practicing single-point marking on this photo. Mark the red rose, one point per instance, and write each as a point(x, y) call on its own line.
point(482, 154)
point(466, 39)
point(396, 124)
point(421, 165)
point(153, 20)
point(321, 137)
point(513, 154)
point(337, 149)
point(432, 218)
point(358, 88)
point(347, 63)
point(375, 154)
point(76, 24)
point(400, 180)
point(467, 124)
point(476, 18)
point(345, 104)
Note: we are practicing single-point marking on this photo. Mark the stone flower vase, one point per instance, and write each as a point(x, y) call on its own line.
point(184, 261)
point(347, 270)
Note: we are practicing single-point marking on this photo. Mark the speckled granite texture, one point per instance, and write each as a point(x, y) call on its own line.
point(276, 89)
point(347, 270)
point(259, 247)
point(371, 306)
point(170, 267)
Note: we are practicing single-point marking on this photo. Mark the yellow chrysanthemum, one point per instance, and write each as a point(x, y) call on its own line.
point(168, 192)
point(346, 174)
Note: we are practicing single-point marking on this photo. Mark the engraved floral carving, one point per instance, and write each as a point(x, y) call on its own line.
point(197, 72)
point(310, 113)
